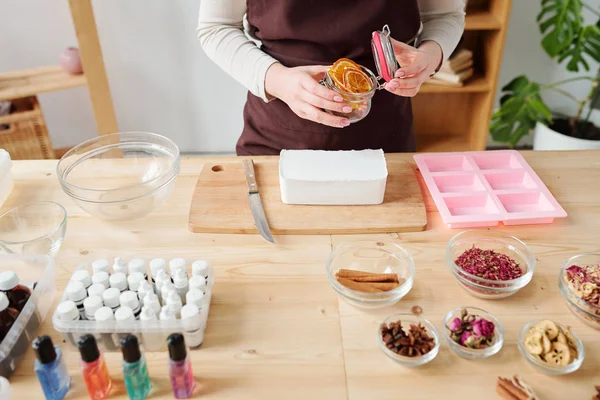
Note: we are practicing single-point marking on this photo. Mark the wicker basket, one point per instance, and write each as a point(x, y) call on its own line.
point(27, 136)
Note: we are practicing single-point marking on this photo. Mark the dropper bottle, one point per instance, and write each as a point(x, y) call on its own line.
point(50, 368)
point(180, 367)
point(93, 368)
point(135, 371)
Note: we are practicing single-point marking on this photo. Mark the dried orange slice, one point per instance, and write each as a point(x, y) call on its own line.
point(357, 81)
point(348, 75)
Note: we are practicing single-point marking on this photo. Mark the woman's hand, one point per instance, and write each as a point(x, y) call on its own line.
point(417, 66)
point(300, 89)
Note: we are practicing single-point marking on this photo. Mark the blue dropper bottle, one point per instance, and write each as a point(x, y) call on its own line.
point(50, 369)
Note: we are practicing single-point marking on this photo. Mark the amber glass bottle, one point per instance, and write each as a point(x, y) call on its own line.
point(17, 294)
point(8, 316)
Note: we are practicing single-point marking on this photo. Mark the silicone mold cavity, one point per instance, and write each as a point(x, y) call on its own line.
point(476, 189)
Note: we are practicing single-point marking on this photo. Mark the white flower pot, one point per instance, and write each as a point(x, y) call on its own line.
point(547, 139)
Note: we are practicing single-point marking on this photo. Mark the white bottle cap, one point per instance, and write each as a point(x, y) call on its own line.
point(104, 314)
point(82, 276)
point(161, 279)
point(197, 282)
point(4, 388)
point(67, 311)
point(76, 291)
point(167, 313)
point(196, 297)
point(166, 289)
point(144, 289)
point(173, 298)
point(189, 311)
point(134, 280)
point(137, 265)
point(124, 314)
point(200, 268)
point(101, 266)
point(148, 314)
point(4, 303)
point(119, 266)
point(129, 299)
point(175, 265)
point(8, 280)
point(180, 279)
point(151, 301)
point(92, 304)
point(111, 297)
point(118, 280)
point(156, 265)
point(96, 289)
point(101, 277)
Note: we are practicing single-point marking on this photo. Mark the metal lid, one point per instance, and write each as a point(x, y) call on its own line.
point(383, 53)
point(101, 265)
point(101, 277)
point(76, 291)
point(137, 265)
point(118, 280)
point(200, 267)
point(82, 276)
point(8, 280)
point(67, 311)
point(111, 297)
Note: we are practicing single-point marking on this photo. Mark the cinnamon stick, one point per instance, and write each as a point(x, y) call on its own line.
point(508, 387)
point(383, 286)
point(363, 276)
point(505, 394)
point(359, 286)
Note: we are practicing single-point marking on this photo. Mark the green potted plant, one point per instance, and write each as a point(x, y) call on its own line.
point(566, 39)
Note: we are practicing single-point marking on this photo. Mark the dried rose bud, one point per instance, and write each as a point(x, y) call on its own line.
point(465, 337)
point(483, 327)
point(455, 324)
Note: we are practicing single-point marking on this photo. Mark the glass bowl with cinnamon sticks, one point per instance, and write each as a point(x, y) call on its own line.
point(370, 273)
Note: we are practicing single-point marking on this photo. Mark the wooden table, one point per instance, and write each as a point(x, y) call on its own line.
point(277, 330)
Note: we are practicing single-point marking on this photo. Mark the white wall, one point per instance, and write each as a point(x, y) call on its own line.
point(162, 82)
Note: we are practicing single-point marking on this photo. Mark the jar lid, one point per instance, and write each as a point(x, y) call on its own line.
point(383, 53)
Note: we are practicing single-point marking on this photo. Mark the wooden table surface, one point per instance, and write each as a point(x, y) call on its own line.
point(276, 329)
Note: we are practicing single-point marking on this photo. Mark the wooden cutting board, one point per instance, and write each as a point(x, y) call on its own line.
point(220, 204)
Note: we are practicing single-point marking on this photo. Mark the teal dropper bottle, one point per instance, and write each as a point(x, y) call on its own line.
point(135, 372)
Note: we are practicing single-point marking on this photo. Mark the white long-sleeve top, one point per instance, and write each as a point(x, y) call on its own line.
point(224, 35)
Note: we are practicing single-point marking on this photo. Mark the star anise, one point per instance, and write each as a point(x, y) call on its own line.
point(412, 344)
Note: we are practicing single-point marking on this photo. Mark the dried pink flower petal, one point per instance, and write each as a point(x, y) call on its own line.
point(488, 264)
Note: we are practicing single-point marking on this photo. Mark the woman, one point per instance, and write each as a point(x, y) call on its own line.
point(280, 49)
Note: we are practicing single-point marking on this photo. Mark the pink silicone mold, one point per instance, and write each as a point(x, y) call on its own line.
point(476, 189)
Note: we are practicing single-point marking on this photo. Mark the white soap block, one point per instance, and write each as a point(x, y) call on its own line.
point(318, 177)
point(6, 180)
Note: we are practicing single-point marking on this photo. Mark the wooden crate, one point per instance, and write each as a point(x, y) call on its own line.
point(27, 135)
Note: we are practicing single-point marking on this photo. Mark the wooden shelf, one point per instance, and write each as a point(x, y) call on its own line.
point(477, 83)
point(481, 20)
point(441, 143)
point(23, 83)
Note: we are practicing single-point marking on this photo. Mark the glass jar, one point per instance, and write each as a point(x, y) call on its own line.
point(386, 64)
point(359, 102)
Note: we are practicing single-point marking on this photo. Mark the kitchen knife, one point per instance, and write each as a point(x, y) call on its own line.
point(258, 211)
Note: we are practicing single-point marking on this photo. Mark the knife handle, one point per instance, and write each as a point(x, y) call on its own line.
point(250, 176)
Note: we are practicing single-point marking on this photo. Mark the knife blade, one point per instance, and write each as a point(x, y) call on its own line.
point(258, 212)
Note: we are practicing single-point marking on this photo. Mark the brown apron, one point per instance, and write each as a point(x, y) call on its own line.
point(318, 32)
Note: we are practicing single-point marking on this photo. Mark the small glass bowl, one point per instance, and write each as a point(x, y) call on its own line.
point(545, 367)
point(359, 102)
point(474, 353)
point(371, 256)
point(407, 320)
point(33, 228)
point(490, 240)
point(587, 312)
